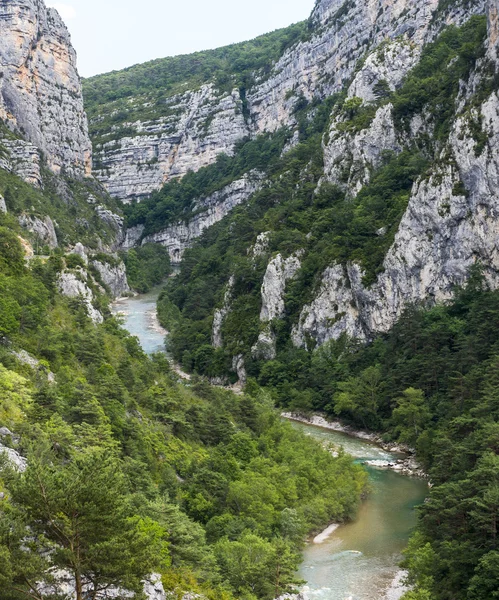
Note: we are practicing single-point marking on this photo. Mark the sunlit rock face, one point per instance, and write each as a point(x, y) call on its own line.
point(207, 211)
point(450, 224)
point(40, 91)
point(200, 124)
point(203, 124)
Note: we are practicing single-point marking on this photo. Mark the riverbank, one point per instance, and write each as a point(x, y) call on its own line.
point(406, 464)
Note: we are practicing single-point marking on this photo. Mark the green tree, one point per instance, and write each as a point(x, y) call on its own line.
point(411, 415)
point(485, 583)
point(15, 397)
point(359, 396)
point(78, 517)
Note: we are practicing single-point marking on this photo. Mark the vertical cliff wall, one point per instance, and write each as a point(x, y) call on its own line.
point(40, 91)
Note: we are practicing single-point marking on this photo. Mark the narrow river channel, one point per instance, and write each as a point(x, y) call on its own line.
point(359, 561)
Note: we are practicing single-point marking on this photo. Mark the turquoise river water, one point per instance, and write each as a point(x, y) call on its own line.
point(359, 561)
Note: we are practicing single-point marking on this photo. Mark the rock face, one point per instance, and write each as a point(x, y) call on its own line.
point(350, 158)
point(201, 125)
point(72, 285)
point(113, 275)
point(450, 224)
point(42, 229)
point(279, 272)
point(220, 314)
point(40, 91)
point(208, 211)
point(333, 312)
point(18, 461)
point(23, 159)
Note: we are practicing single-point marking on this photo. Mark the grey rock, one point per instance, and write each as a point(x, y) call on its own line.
point(177, 238)
point(279, 272)
point(26, 359)
point(113, 276)
point(350, 158)
point(80, 250)
point(3, 206)
point(239, 368)
point(220, 314)
point(40, 91)
point(18, 461)
point(72, 286)
point(204, 124)
point(261, 245)
point(43, 229)
point(132, 237)
point(110, 218)
point(23, 159)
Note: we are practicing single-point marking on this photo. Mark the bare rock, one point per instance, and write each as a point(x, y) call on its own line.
point(40, 91)
point(43, 229)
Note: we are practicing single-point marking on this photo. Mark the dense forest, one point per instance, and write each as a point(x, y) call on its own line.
point(320, 220)
point(130, 473)
point(429, 383)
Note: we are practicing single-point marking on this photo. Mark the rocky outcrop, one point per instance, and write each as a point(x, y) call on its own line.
point(201, 125)
point(26, 359)
point(40, 91)
point(450, 224)
point(351, 157)
point(333, 312)
point(279, 272)
point(220, 314)
point(197, 126)
point(21, 158)
point(113, 276)
point(384, 69)
point(132, 237)
point(64, 584)
point(208, 211)
point(42, 229)
point(73, 285)
point(110, 218)
point(18, 461)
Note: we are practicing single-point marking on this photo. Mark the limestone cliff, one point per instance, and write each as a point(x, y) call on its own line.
point(206, 212)
point(137, 155)
point(40, 91)
point(450, 224)
point(202, 124)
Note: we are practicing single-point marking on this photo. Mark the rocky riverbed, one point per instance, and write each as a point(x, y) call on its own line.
point(405, 463)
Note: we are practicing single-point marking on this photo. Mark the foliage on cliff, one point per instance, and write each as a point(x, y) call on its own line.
point(70, 203)
point(130, 472)
point(231, 67)
point(432, 383)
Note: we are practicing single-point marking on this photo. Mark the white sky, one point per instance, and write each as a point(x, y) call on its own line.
point(113, 34)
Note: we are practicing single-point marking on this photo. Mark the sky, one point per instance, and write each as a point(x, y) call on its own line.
point(113, 34)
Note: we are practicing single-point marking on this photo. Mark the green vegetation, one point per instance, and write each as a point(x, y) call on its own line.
point(119, 97)
point(147, 266)
point(327, 225)
point(431, 382)
point(175, 200)
point(434, 83)
point(130, 472)
point(69, 203)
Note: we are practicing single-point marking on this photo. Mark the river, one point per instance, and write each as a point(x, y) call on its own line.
point(140, 319)
point(359, 560)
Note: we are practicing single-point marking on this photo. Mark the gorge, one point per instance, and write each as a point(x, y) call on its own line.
point(327, 198)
